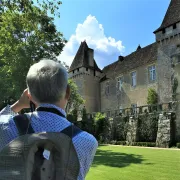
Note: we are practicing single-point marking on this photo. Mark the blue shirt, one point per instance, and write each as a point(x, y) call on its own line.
point(84, 143)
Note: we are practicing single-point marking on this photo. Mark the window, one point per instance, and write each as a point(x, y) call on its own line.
point(86, 69)
point(120, 109)
point(174, 26)
point(133, 77)
point(134, 108)
point(78, 69)
point(152, 73)
point(107, 88)
point(119, 83)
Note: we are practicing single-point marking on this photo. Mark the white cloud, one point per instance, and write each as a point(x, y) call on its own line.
point(106, 49)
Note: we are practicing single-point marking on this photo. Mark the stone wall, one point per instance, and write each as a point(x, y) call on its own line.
point(166, 130)
point(168, 70)
point(132, 131)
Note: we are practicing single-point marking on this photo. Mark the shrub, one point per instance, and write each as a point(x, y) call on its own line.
point(121, 143)
point(120, 128)
point(178, 145)
point(102, 127)
point(152, 96)
point(113, 142)
point(145, 144)
point(147, 127)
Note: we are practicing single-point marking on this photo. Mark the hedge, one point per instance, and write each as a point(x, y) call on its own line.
point(145, 144)
point(178, 145)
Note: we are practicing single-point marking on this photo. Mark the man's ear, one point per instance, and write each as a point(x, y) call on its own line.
point(31, 99)
point(68, 92)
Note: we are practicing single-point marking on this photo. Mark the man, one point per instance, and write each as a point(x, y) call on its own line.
point(47, 86)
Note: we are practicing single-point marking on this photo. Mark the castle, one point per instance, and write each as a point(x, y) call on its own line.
point(125, 82)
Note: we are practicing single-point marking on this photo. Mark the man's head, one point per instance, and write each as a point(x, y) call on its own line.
point(47, 82)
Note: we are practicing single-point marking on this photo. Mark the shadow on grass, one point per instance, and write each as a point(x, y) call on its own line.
point(116, 159)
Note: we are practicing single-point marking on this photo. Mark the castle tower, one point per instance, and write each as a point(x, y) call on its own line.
point(168, 71)
point(86, 74)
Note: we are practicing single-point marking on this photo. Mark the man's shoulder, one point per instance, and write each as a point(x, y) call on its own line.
point(86, 138)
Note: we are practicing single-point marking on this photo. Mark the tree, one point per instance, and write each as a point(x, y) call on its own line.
point(102, 127)
point(27, 34)
point(152, 96)
point(75, 100)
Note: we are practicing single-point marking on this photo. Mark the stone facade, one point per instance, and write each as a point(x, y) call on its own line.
point(128, 95)
point(88, 87)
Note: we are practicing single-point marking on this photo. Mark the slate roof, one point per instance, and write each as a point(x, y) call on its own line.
point(138, 58)
point(172, 15)
point(81, 58)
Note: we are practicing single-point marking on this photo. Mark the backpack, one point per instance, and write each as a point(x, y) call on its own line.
point(40, 156)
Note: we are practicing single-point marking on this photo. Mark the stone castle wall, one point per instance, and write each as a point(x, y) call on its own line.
point(88, 87)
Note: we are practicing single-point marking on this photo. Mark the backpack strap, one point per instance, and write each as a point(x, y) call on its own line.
point(71, 131)
point(23, 124)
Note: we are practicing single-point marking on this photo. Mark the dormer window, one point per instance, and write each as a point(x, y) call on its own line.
point(86, 69)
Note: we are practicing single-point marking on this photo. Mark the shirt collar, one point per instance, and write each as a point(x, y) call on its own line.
point(53, 106)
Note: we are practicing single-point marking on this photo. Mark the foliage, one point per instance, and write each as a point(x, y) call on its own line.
point(120, 128)
point(145, 144)
point(175, 85)
point(99, 116)
point(75, 100)
point(72, 117)
point(147, 127)
point(152, 96)
point(121, 143)
point(102, 127)
point(113, 142)
point(178, 145)
point(87, 123)
point(27, 34)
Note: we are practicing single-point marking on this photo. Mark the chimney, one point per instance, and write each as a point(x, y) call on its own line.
point(121, 58)
point(138, 48)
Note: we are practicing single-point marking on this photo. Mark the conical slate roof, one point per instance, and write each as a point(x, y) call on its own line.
point(81, 58)
point(172, 15)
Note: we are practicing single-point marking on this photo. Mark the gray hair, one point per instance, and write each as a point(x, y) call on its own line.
point(47, 81)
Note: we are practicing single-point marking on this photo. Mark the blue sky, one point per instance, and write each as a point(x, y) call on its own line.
point(110, 27)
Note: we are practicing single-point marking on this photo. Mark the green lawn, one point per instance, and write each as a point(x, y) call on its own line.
point(131, 163)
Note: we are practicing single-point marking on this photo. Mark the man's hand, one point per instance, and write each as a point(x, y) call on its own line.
point(22, 103)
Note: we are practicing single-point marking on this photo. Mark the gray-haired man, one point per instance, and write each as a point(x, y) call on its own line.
point(47, 83)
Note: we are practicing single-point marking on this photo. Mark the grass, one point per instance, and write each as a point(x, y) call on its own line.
point(133, 163)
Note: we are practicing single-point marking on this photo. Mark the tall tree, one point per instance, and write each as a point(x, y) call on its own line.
point(75, 100)
point(27, 34)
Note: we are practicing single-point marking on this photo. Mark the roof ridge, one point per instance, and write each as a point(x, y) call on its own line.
point(140, 50)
